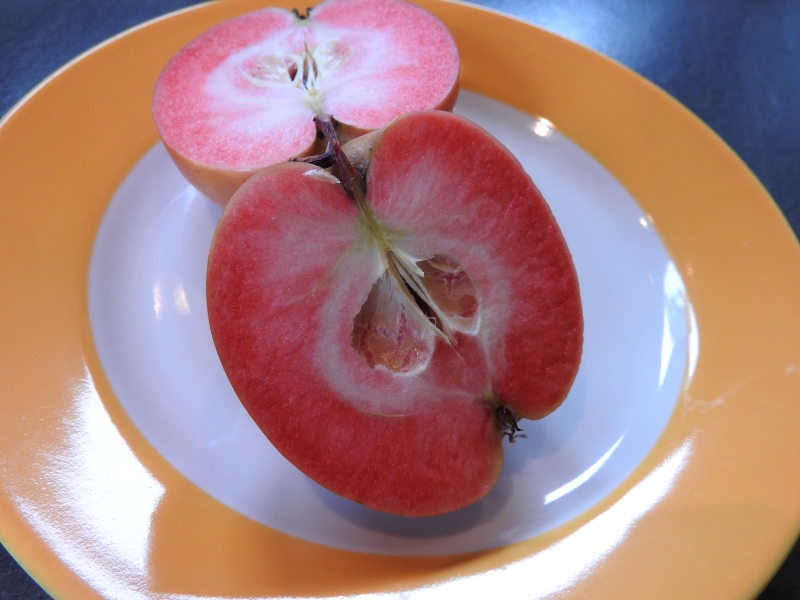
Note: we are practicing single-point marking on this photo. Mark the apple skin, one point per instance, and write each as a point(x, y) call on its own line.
point(227, 104)
point(292, 266)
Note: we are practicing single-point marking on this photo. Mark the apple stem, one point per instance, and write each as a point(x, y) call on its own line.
point(352, 181)
point(300, 15)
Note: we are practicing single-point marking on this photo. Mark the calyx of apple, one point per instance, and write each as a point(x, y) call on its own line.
point(387, 312)
point(243, 95)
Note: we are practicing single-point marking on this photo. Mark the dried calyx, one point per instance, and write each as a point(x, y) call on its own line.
point(508, 423)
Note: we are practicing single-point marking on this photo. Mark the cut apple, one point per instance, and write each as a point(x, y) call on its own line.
point(243, 95)
point(386, 340)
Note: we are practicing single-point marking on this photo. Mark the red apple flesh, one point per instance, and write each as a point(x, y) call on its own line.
point(242, 96)
point(387, 345)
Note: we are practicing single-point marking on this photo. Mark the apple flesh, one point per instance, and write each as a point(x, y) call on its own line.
point(386, 339)
point(242, 96)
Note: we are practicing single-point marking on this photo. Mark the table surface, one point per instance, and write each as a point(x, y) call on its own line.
point(736, 64)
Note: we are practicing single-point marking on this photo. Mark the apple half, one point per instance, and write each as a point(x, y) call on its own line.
point(387, 340)
point(243, 95)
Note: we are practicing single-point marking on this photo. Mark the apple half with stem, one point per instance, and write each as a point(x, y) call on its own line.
point(388, 331)
point(243, 95)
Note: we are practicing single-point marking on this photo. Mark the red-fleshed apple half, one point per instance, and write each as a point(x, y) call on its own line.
point(387, 346)
point(242, 96)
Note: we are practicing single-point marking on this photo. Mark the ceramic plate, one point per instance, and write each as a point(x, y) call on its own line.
point(130, 471)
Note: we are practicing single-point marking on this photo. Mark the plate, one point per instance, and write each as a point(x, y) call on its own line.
point(92, 509)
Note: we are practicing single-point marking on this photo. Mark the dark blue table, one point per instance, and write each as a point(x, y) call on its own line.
point(735, 63)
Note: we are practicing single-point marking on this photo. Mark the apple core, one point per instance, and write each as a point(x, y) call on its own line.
point(411, 304)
